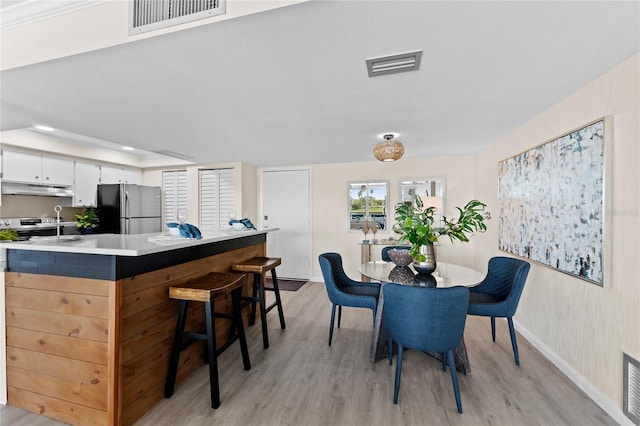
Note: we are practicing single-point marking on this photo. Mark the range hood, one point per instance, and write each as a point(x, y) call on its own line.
point(16, 188)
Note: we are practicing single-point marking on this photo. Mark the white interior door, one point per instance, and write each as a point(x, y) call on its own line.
point(286, 204)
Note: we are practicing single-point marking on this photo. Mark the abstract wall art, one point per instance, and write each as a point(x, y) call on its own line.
point(552, 202)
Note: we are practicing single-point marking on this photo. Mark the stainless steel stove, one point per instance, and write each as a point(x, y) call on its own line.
point(39, 226)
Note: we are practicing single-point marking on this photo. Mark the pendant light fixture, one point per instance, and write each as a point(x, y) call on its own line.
point(389, 150)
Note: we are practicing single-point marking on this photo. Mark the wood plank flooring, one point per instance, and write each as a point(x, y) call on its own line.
point(300, 380)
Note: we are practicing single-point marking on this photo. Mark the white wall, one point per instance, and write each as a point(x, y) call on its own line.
point(330, 208)
point(584, 328)
point(97, 27)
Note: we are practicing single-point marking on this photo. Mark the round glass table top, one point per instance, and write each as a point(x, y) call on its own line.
point(445, 275)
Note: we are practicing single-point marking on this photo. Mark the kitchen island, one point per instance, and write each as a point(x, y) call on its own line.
point(90, 324)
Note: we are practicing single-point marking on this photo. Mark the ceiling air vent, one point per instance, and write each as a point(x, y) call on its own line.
point(148, 15)
point(174, 155)
point(402, 62)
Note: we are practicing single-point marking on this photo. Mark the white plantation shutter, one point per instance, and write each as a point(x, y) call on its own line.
point(216, 199)
point(174, 194)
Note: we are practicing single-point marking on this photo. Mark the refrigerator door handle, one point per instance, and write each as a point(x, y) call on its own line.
point(126, 212)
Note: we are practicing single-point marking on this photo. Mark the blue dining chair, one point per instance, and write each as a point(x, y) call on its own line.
point(384, 254)
point(497, 296)
point(343, 291)
point(427, 319)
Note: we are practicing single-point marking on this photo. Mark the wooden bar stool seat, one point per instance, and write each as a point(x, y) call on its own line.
point(259, 266)
point(208, 289)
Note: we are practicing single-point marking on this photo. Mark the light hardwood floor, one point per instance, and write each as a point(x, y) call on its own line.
point(300, 380)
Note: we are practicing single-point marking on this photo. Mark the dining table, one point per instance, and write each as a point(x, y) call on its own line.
point(445, 275)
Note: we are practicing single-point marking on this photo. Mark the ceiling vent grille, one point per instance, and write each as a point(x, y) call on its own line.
point(402, 62)
point(149, 15)
point(631, 406)
point(174, 155)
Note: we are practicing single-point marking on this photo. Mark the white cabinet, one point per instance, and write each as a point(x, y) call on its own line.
point(110, 174)
point(87, 177)
point(119, 175)
point(56, 171)
point(21, 167)
point(34, 168)
point(132, 176)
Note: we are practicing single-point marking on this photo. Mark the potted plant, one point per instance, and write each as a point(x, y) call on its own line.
point(87, 221)
point(416, 226)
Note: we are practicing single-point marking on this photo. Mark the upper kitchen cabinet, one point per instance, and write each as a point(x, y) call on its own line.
point(119, 175)
point(132, 176)
point(35, 168)
point(87, 177)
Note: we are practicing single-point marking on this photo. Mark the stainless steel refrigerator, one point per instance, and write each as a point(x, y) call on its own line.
point(129, 209)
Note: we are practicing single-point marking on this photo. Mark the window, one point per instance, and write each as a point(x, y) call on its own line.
point(368, 201)
point(174, 194)
point(217, 203)
point(431, 192)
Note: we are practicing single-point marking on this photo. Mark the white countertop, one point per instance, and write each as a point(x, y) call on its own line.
point(126, 245)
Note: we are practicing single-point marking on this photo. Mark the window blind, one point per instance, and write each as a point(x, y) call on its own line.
point(174, 194)
point(216, 199)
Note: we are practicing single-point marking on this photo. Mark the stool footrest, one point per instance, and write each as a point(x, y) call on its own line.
point(270, 307)
point(193, 336)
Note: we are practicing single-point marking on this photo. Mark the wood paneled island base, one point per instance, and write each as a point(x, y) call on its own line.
point(84, 350)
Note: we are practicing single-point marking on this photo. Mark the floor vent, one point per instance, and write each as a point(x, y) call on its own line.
point(402, 62)
point(632, 388)
point(148, 15)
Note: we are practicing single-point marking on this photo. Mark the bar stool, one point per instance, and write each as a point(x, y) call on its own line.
point(207, 289)
point(258, 266)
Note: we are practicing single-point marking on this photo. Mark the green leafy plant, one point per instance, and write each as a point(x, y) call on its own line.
point(9, 234)
point(415, 224)
point(87, 219)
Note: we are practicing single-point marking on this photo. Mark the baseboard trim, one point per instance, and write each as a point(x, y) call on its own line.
point(597, 396)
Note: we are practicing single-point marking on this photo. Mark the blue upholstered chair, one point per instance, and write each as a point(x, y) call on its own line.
point(343, 291)
point(427, 319)
point(384, 254)
point(499, 293)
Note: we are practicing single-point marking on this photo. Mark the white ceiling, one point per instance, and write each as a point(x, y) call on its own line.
point(290, 86)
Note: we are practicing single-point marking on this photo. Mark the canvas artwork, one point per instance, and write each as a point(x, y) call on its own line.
point(551, 203)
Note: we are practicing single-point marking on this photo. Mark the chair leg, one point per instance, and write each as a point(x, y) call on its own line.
point(333, 316)
point(339, 315)
point(170, 381)
point(213, 359)
point(444, 361)
point(390, 343)
point(254, 294)
point(263, 312)
point(276, 290)
point(396, 388)
point(493, 328)
point(237, 313)
point(514, 344)
point(454, 379)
